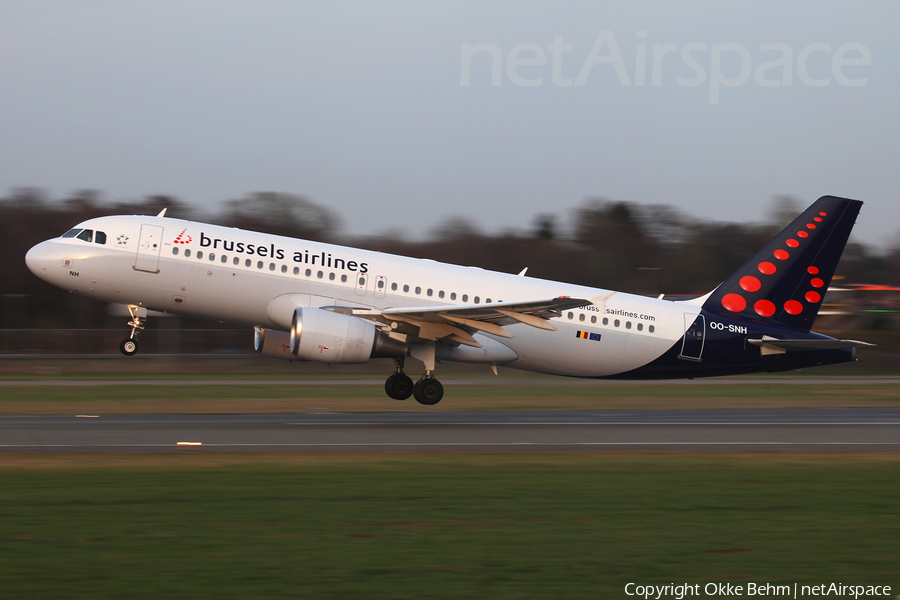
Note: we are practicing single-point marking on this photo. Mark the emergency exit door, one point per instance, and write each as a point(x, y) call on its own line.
point(149, 246)
point(694, 337)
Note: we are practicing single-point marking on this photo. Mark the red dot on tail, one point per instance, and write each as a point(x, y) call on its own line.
point(823, 214)
point(812, 270)
point(750, 283)
point(816, 282)
point(802, 234)
point(793, 307)
point(812, 297)
point(817, 219)
point(766, 268)
point(792, 243)
point(781, 254)
point(811, 225)
point(764, 308)
point(734, 302)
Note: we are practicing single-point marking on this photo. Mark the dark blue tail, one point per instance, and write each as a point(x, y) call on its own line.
point(785, 282)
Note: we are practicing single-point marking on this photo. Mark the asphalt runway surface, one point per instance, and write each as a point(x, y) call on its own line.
point(823, 429)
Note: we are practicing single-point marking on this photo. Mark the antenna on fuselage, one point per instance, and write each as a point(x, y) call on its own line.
point(162, 213)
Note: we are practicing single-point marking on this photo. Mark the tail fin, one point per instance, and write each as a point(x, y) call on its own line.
point(785, 282)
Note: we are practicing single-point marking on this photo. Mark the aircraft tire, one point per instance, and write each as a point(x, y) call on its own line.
point(428, 391)
point(129, 347)
point(399, 386)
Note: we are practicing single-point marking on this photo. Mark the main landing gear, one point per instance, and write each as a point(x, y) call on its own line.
point(129, 345)
point(427, 391)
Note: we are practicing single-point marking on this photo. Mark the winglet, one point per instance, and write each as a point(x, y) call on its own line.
point(600, 301)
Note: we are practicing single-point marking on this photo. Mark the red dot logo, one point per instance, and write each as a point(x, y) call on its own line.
point(781, 254)
point(734, 302)
point(793, 307)
point(792, 243)
point(812, 270)
point(817, 219)
point(816, 282)
point(823, 214)
point(812, 297)
point(764, 308)
point(766, 268)
point(810, 225)
point(750, 283)
point(802, 234)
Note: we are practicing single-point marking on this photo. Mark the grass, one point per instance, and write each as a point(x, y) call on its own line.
point(451, 525)
point(538, 394)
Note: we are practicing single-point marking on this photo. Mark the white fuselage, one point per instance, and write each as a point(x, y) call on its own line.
point(232, 275)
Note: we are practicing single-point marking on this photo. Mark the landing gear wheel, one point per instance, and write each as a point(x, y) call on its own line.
point(399, 386)
point(129, 347)
point(428, 391)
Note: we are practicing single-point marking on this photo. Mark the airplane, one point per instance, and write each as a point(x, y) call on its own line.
point(333, 304)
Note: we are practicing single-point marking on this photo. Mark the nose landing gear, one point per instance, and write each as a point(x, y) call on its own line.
point(129, 345)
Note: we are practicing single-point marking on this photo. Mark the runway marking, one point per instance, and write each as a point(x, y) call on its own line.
point(87, 416)
point(460, 444)
point(189, 444)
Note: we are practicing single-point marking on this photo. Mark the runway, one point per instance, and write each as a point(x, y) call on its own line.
point(710, 430)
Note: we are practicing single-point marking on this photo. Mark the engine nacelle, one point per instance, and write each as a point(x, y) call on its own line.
point(273, 343)
point(326, 336)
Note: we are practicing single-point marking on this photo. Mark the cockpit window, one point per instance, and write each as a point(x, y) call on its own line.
point(86, 235)
point(100, 238)
point(71, 233)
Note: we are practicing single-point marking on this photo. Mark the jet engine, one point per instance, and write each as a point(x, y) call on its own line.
point(272, 342)
point(331, 337)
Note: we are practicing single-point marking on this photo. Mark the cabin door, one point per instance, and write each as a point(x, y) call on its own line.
point(692, 347)
point(149, 246)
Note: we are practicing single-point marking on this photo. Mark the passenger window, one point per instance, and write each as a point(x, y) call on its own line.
point(465, 298)
point(86, 234)
point(581, 317)
point(405, 289)
point(441, 294)
point(616, 322)
point(393, 287)
point(477, 300)
point(284, 268)
point(640, 326)
point(247, 263)
point(237, 261)
point(380, 283)
point(571, 316)
point(71, 233)
point(627, 324)
point(224, 259)
point(605, 321)
point(296, 270)
point(343, 279)
point(187, 251)
point(100, 238)
point(418, 290)
point(488, 301)
point(309, 272)
point(320, 274)
point(453, 295)
point(331, 277)
point(429, 292)
point(212, 256)
point(651, 329)
point(199, 254)
point(593, 319)
point(259, 264)
point(175, 251)
point(271, 266)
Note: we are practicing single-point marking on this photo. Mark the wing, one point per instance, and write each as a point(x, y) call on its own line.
point(456, 323)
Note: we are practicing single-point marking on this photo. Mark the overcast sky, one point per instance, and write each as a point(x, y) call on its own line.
point(393, 115)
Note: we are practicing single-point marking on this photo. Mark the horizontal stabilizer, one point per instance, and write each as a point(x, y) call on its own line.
point(770, 345)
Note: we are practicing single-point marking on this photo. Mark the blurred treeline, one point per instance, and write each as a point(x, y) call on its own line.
point(644, 249)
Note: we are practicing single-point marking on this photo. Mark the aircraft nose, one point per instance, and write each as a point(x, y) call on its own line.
point(38, 259)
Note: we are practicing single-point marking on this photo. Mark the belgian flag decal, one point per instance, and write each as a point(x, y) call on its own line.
point(584, 335)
